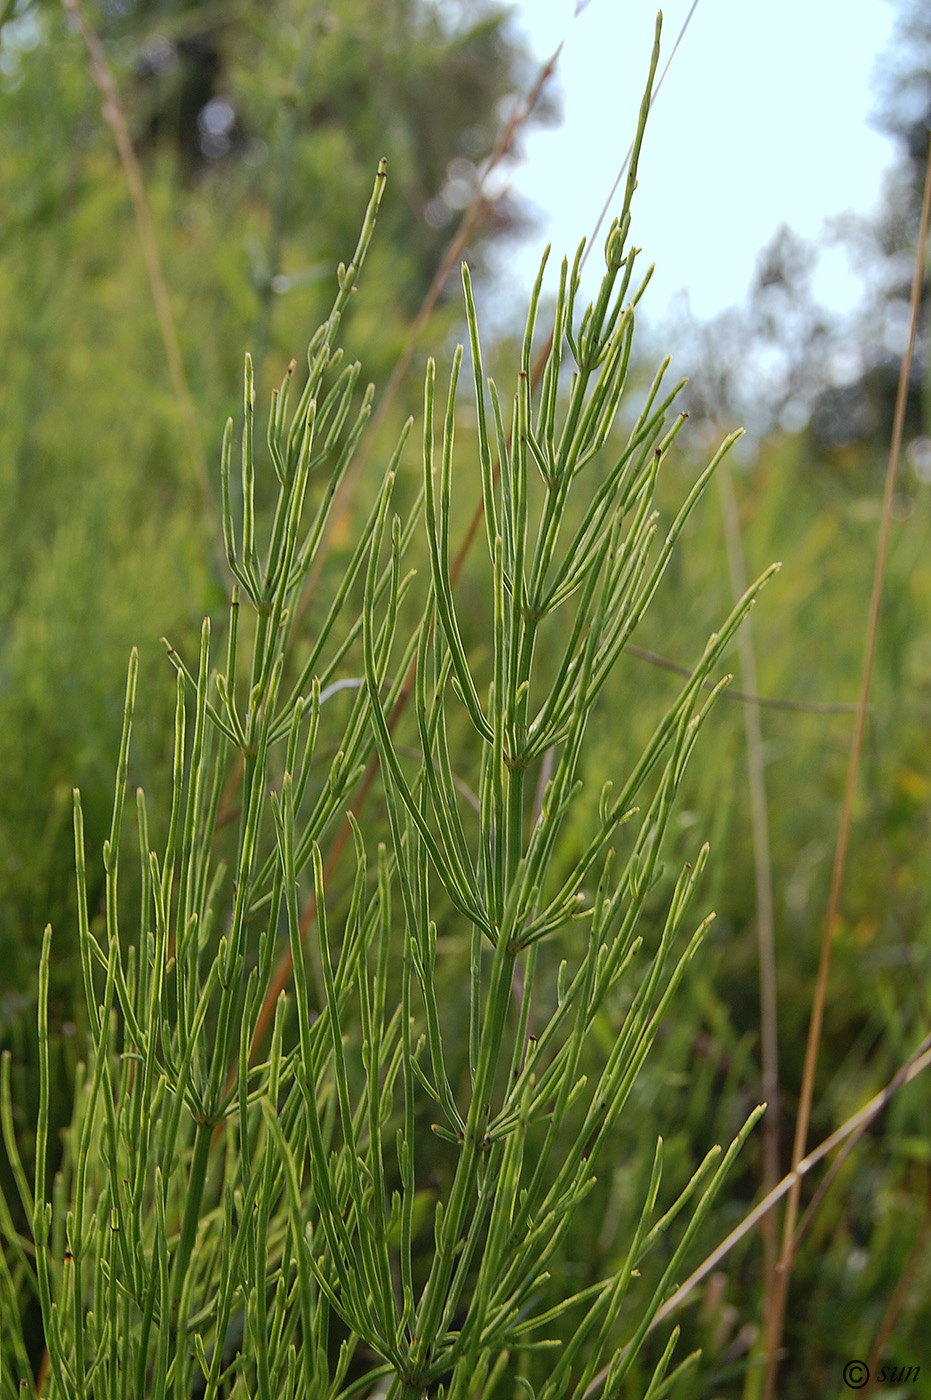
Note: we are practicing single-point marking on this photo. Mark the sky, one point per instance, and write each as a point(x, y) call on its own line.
point(762, 119)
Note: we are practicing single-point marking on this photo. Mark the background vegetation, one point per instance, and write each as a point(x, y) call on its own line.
point(258, 128)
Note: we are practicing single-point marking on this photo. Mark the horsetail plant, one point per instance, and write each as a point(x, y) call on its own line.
point(224, 1225)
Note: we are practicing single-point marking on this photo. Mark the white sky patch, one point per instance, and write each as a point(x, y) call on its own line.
point(835, 283)
point(762, 120)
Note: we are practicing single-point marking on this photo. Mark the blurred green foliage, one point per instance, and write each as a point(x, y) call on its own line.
point(818, 512)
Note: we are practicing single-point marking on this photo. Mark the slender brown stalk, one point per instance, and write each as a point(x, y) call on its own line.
point(114, 116)
point(116, 120)
point(777, 1320)
point(763, 875)
point(282, 974)
point(810, 707)
point(917, 1252)
point(852, 1130)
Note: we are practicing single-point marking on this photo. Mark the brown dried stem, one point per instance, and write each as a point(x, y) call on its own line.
point(851, 1131)
point(776, 1321)
point(116, 120)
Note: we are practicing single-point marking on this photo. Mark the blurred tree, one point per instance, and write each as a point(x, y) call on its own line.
point(293, 99)
point(904, 83)
point(784, 362)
